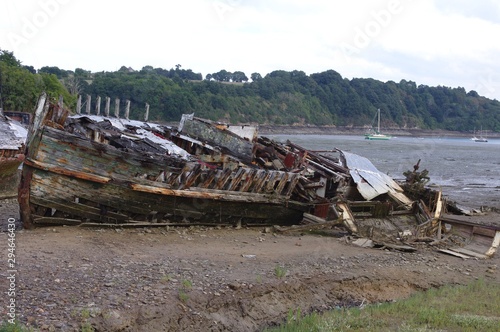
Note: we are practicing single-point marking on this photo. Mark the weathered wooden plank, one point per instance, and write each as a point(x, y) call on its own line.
point(347, 217)
point(468, 252)
point(227, 141)
point(483, 231)
point(453, 253)
point(23, 197)
point(52, 186)
point(56, 221)
point(293, 183)
point(65, 171)
point(81, 210)
point(494, 245)
point(212, 194)
point(37, 121)
point(312, 219)
point(396, 247)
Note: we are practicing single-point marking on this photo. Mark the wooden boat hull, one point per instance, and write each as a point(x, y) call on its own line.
point(9, 173)
point(70, 180)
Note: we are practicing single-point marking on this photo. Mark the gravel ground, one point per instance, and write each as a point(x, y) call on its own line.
point(205, 279)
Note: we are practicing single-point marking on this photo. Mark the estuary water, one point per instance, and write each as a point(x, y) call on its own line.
point(468, 172)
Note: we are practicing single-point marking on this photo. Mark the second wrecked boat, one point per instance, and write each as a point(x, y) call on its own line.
point(12, 139)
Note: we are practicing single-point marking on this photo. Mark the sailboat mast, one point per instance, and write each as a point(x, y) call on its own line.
point(378, 122)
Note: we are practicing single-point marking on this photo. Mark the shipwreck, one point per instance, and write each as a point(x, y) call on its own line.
point(96, 170)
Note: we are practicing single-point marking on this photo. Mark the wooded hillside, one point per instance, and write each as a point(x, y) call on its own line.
point(278, 98)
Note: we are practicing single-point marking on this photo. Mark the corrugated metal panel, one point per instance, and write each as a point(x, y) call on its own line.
point(369, 180)
point(13, 134)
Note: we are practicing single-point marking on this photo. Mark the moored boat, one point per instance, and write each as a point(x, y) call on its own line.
point(375, 134)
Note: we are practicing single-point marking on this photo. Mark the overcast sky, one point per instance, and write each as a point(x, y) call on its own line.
point(432, 42)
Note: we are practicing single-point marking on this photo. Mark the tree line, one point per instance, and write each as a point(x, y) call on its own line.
point(278, 98)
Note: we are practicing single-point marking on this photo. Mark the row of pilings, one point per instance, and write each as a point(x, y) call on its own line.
point(107, 107)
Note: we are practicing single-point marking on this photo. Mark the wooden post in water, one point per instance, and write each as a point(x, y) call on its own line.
point(79, 105)
point(146, 115)
point(117, 108)
point(127, 109)
point(98, 106)
point(87, 107)
point(106, 109)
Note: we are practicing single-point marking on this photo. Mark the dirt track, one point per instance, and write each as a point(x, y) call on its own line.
point(207, 279)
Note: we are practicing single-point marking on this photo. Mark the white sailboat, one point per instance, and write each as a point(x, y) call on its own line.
point(481, 138)
point(375, 134)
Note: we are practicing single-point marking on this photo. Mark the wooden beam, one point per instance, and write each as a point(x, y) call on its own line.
point(67, 172)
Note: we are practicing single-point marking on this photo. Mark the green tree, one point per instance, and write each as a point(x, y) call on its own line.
point(239, 76)
point(256, 77)
point(9, 59)
point(54, 70)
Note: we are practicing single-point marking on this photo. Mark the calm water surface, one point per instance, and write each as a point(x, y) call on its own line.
point(467, 171)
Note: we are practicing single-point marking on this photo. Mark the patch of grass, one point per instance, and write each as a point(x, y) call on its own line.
point(293, 316)
point(187, 284)
point(87, 327)
point(16, 327)
point(280, 271)
point(474, 307)
point(183, 296)
point(85, 313)
point(166, 278)
point(84, 316)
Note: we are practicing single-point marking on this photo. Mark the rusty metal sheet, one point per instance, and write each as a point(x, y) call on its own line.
point(369, 180)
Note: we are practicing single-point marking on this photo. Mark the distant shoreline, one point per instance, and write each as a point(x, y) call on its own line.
point(319, 130)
